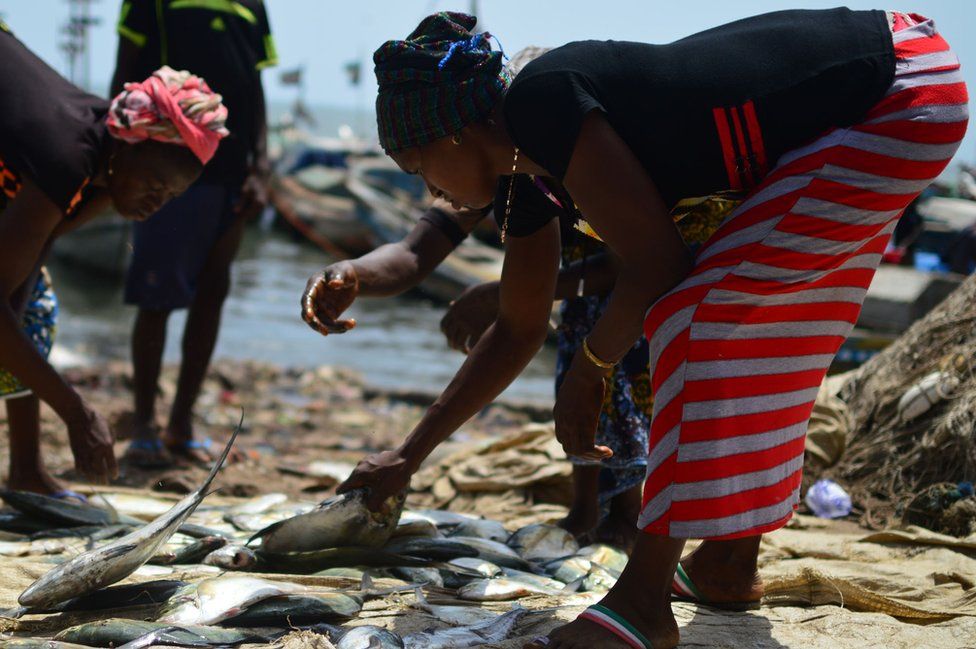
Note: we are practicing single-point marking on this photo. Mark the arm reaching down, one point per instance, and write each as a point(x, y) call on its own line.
point(526, 290)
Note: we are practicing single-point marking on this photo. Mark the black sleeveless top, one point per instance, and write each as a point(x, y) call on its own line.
point(708, 113)
point(51, 131)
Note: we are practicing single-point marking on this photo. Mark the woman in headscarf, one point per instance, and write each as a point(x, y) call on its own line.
point(65, 156)
point(831, 136)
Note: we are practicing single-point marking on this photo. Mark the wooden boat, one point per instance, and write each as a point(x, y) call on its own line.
point(393, 202)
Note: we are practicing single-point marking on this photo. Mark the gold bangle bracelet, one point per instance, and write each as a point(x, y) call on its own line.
point(593, 358)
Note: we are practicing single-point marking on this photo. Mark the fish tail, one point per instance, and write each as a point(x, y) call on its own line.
point(223, 456)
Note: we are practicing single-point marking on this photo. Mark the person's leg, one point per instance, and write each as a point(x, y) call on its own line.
point(27, 471)
point(584, 513)
point(619, 528)
point(641, 597)
point(726, 571)
point(148, 342)
point(199, 340)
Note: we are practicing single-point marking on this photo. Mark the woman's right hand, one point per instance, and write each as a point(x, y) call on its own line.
point(91, 443)
point(327, 295)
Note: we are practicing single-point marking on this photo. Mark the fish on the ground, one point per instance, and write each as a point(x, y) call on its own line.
point(345, 557)
point(543, 542)
point(501, 589)
point(482, 529)
point(117, 560)
point(196, 551)
point(360, 637)
point(337, 522)
point(599, 579)
point(433, 549)
point(539, 580)
point(418, 527)
point(611, 558)
point(232, 556)
point(122, 596)
point(439, 517)
point(30, 548)
point(160, 636)
point(293, 610)
point(495, 552)
point(62, 512)
point(89, 532)
point(475, 635)
point(139, 508)
point(423, 576)
point(218, 598)
point(476, 566)
point(453, 615)
point(259, 504)
point(349, 573)
point(114, 632)
point(569, 569)
point(39, 643)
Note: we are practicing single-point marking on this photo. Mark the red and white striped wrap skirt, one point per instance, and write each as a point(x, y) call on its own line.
point(741, 346)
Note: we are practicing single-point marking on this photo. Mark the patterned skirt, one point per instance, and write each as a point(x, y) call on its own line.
point(40, 325)
point(740, 347)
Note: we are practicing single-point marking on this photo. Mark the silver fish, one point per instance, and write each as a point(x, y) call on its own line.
point(232, 556)
point(219, 598)
point(482, 529)
point(258, 505)
point(117, 560)
point(497, 553)
point(599, 580)
point(38, 643)
point(538, 580)
point(341, 521)
point(438, 517)
point(607, 556)
point(476, 566)
point(476, 635)
point(114, 632)
point(29, 548)
point(423, 576)
point(543, 542)
point(428, 548)
point(363, 637)
point(160, 636)
point(453, 615)
point(569, 569)
point(502, 589)
point(292, 610)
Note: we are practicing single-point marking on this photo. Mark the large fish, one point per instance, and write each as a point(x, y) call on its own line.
point(360, 637)
point(115, 632)
point(495, 552)
point(337, 522)
point(62, 512)
point(543, 543)
point(117, 560)
point(219, 598)
point(292, 610)
point(453, 615)
point(501, 589)
point(347, 557)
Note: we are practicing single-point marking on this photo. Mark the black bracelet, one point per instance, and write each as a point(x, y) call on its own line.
point(448, 226)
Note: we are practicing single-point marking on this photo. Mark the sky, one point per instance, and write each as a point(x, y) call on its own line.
point(325, 35)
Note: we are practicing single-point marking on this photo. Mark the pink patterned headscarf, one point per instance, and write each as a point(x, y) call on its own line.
point(171, 106)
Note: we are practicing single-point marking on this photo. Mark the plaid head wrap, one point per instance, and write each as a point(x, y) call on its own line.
point(438, 80)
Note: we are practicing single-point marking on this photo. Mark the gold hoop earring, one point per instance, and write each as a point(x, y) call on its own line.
point(456, 139)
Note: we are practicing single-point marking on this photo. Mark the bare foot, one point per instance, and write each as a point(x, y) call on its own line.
point(655, 622)
point(36, 480)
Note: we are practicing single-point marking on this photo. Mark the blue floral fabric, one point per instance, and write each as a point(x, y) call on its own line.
point(40, 325)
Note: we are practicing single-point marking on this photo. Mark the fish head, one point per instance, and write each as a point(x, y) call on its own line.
point(369, 637)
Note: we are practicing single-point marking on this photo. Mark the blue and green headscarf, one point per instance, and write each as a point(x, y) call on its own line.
point(440, 79)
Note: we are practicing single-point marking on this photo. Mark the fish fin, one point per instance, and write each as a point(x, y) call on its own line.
point(223, 456)
point(113, 513)
point(367, 583)
point(573, 586)
point(264, 531)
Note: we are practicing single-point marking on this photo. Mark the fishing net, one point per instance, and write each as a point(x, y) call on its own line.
point(915, 469)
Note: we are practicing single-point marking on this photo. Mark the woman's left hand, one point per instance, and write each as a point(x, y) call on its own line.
point(383, 474)
point(577, 410)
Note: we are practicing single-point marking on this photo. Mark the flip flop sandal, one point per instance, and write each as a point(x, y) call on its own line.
point(684, 590)
point(68, 494)
point(147, 446)
point(617, 625)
